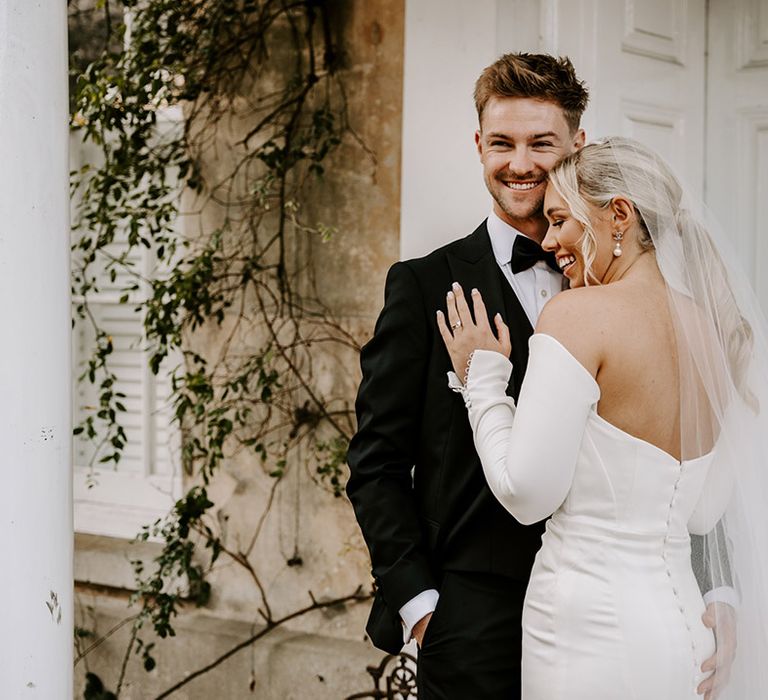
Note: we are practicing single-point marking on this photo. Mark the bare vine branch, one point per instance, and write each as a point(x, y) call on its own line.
point(223, 64)
point(356, 597)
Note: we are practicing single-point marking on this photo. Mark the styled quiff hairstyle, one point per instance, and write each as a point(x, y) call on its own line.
point(535, 75)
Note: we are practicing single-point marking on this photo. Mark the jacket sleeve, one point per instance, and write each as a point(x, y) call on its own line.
point(383, 451)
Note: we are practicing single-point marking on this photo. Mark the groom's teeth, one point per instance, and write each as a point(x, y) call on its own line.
point(521, 185)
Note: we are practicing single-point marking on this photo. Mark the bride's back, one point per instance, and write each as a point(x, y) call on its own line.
point(623, 333)
point(639, 372)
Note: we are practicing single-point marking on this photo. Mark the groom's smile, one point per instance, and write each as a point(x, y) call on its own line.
point(523, 186)
point(522, 195)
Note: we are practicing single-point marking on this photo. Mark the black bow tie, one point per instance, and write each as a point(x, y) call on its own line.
point(526, 253)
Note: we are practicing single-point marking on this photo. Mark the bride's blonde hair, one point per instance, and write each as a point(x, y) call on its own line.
point(597, 174)
point(617, 166)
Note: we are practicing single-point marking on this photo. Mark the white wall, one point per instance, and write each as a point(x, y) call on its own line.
point(447, 44)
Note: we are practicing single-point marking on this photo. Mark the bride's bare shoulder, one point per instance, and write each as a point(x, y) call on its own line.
point(578, 318)
point(576, 309)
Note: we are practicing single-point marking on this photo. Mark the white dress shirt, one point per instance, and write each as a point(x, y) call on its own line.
point(534, 287)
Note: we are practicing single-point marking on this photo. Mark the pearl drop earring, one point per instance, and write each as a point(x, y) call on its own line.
point(617, 236)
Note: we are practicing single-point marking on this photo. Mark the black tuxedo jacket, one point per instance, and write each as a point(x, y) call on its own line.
point(416, 482)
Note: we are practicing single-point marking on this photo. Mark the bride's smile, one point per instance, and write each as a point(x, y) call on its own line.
point(597, 251)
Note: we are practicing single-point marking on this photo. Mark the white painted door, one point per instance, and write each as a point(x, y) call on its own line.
point(643, 61)
point(736, 183)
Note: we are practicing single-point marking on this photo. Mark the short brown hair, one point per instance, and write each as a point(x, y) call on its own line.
point(536, 75)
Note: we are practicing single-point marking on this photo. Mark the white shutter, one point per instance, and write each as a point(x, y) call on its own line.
point(118, 499)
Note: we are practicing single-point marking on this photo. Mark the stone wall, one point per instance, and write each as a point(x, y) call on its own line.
point(322, 654)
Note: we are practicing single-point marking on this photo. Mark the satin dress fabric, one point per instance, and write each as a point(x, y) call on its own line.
point(612, 609)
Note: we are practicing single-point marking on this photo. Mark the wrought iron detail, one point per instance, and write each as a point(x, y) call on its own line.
point(399, 683)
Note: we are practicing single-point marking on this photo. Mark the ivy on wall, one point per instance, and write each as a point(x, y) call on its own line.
point(259, 85)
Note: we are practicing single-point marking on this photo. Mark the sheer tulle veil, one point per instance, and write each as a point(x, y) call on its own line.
point(722, 346)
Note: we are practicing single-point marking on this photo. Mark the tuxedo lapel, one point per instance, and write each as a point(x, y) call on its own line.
point(520, 331)
point(473, 265)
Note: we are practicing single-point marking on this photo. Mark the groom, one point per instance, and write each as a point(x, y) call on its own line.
point(450, 564)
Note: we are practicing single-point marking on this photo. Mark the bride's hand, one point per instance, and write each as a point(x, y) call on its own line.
point(721, 619)
point(465, 335)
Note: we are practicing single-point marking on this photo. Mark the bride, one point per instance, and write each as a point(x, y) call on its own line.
point(641, 421)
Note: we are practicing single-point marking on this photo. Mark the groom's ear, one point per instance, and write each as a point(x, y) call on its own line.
point(479, 143)
point(579, 139)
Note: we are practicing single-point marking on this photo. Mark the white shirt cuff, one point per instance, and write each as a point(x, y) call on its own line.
point(723, 594)
point(416, 608)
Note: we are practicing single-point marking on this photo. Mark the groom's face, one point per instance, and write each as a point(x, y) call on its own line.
point(520, 139)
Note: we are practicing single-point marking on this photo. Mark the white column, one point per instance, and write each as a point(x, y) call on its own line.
point(36, 611)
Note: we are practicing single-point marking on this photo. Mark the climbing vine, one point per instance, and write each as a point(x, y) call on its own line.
point(254, 87)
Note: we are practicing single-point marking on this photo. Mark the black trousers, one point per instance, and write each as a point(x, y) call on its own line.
point(472, 646)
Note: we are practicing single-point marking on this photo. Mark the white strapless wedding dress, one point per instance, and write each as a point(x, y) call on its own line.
point(613, 610)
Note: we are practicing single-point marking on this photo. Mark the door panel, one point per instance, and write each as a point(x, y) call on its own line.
point(644, 64)
point(737, 133)
point(656, 29)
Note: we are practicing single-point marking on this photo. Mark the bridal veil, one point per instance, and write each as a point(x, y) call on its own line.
point(722, 347)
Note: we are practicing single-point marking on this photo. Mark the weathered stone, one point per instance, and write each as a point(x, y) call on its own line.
point(308, 540)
